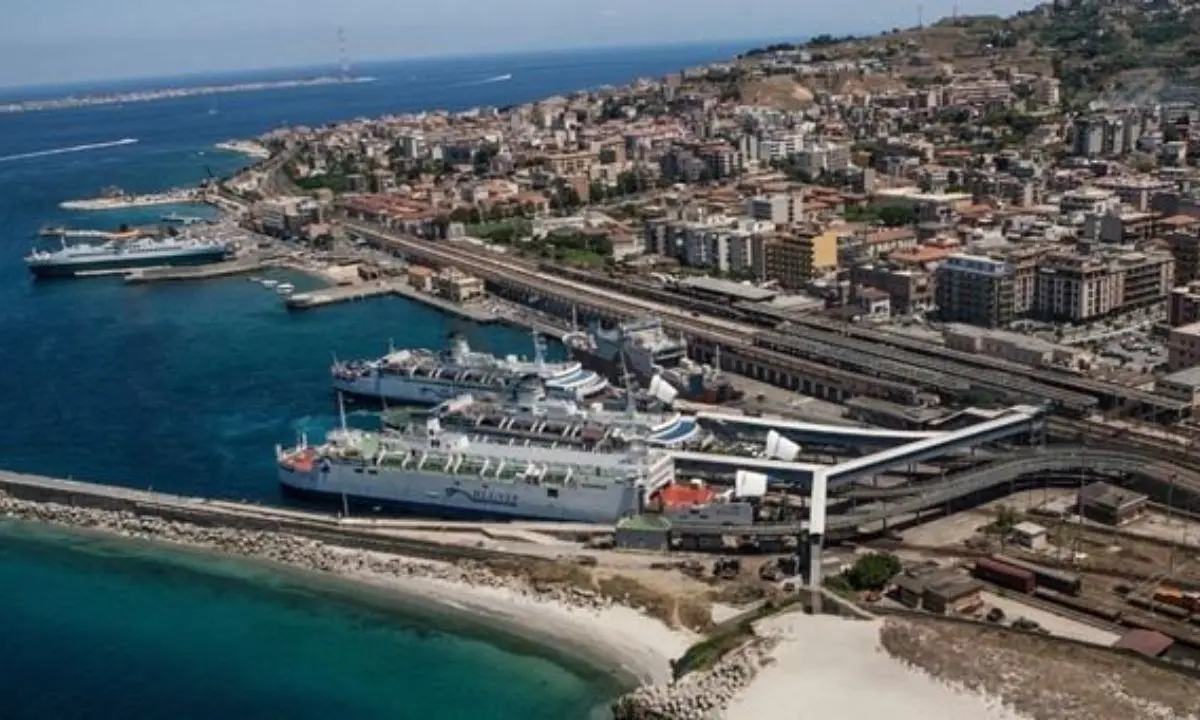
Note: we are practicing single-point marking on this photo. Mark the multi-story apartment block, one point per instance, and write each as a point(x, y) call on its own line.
point(1183, 347)
point(1078, 287)
point(1089, 201)
point(975, 290)
point(778, 208)
point(794, 259)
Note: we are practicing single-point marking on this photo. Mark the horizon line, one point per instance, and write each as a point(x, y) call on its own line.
point(333, 68)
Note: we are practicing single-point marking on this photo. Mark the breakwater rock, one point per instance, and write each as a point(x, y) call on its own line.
point(700, 695)
point(296, 551)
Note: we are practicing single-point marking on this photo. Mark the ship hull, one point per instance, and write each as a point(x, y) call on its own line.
point(69, 269)
point(460, 496)
point(364, 504)
point(408, 390)
point(401, 390)
point(610, 368)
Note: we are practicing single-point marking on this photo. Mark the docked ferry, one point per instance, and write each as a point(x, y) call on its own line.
point(117, 255)
point(427, 377)
point(430, 472)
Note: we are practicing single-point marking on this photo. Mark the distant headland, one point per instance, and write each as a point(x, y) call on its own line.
point(75, 101)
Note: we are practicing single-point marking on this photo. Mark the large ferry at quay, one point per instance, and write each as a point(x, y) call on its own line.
point(117, 255)
point(427, 377)
point(433, 473)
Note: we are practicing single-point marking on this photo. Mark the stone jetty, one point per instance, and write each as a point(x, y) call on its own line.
point(293, 550)
point(701, 695)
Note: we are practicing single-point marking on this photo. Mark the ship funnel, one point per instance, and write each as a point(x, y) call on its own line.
point(747, 484)
point(780, 448)
point(662, 390)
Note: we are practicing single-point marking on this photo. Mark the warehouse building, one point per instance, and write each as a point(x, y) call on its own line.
point(1111, 505)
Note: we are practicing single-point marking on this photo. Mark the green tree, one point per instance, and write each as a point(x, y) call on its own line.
point(898, 215)
point(482, 160)
point(1006, 519)
point(873, 571)
point(597, 192)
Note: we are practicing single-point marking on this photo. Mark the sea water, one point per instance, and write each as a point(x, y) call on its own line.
point(96, 628)
point(186, 388)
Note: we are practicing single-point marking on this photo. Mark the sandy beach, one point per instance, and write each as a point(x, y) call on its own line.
point(623, 640)
point(825, 666)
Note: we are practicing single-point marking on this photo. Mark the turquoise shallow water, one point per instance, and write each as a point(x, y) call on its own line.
point(96, 628)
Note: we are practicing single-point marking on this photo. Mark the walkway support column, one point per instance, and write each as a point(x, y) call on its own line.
point(816, 535)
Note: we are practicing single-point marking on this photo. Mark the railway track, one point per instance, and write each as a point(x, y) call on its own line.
point(725, 331)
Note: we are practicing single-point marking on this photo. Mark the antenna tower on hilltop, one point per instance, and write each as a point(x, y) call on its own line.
point(343, 58)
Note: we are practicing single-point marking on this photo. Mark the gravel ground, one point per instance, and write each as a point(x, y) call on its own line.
point(1041, 678)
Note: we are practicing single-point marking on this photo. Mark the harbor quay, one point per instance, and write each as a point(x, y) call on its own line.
point(364, 533)
point(398, 287)
point(229, 268)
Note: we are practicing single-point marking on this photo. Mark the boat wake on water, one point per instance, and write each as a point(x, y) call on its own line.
point(68, 150)
point(488, 81)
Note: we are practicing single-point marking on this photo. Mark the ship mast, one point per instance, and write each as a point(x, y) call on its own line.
point(539, 351)
point(627, 379)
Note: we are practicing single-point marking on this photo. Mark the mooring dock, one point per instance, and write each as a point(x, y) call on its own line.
point(196, 272)
point(383, 288)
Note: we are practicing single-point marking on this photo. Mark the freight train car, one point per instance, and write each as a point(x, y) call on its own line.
point(1171, 611)
point(1061, 581)
point(1189, 601)
point(1105, 613)
point(1005, 575)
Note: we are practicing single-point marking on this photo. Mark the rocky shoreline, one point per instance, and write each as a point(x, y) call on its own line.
point(702, 695)
point(292, 550)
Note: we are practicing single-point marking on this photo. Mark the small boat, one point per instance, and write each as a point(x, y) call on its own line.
point(268, 283)
point(285, 289)
point(255, 279)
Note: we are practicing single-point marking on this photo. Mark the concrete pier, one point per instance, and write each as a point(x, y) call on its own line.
point(382, 288)
point(196, 272)
point(367, 533)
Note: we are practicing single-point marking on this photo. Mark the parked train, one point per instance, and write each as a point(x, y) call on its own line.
point(1024, 576)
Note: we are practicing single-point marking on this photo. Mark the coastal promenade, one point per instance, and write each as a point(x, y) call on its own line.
point(141, 96)
point(124, 202)
point(244, 147)
point(87, 234)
